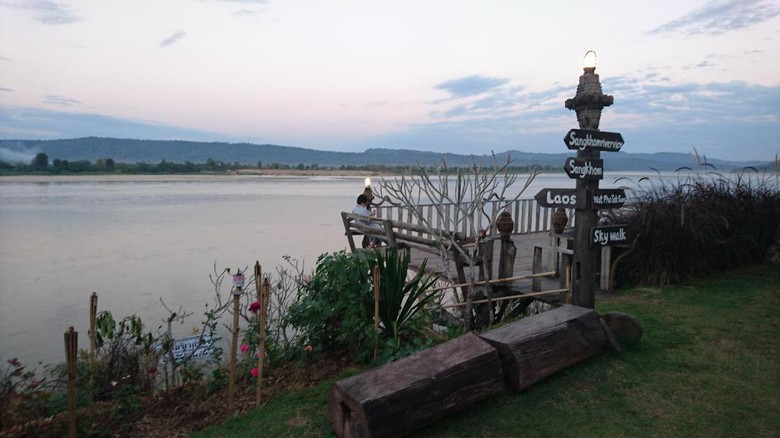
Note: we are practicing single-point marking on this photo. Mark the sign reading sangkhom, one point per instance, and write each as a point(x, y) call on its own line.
point(566, 198)
point(584, 169)
point(608, 198)
point(608, 235)
point(579, 139)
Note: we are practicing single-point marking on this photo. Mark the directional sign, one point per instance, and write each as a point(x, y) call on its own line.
point(566, 198)
point(596, 140)
point(608, 236)
point(608, 198)
point(584, 169)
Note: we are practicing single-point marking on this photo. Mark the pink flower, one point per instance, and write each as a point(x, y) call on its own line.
point(308, 348)
point(255, 372)
point(244, 348)
point(254, 307)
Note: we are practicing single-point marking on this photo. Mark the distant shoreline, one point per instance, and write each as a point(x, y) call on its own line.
point(186, 176)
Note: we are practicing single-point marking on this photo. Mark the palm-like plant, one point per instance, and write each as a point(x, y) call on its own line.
point(400, 302)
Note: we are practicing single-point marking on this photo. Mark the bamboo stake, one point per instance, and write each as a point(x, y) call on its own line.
point(567, 296)
point(377, 280)
point(93, 299)
point(71, 349)
point(263, 318)
point(92, 322)
point(233, 351)
point(547, 292)
point(260, 327)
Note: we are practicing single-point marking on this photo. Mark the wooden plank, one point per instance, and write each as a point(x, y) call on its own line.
point(538, 346)
point(405, 395)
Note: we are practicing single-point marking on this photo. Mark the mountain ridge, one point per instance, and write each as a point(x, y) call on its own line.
point(180, 151)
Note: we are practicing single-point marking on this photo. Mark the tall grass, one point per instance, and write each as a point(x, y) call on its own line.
point(699, 223)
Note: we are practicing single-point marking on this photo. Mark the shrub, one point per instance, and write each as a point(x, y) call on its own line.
point(335, 309)
point(698, 224)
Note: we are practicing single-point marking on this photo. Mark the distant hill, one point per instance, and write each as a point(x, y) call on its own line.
point(154, 151)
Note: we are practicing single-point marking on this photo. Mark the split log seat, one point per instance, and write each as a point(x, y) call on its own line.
point(535, 347)
point(405, 395)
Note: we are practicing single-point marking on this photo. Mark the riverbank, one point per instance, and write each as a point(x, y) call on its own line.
point(707, 366)
point(185, 176)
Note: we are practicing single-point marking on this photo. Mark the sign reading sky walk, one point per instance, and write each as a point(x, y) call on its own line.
point(608, 236)
point(584, 169)
point(581, 139)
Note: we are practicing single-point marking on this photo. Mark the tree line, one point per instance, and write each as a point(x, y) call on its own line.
point(40, 164)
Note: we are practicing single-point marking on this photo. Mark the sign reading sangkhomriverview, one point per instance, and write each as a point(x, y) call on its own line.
point(566, 198)
point(584, 169)
point(608, 198)
point(608, 235)
point(596, 140)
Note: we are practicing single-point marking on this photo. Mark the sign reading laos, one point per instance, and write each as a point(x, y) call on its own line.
point(584, 169)
point(596, 140)
point(608, 198)
point(608, 235)
point(566, 198)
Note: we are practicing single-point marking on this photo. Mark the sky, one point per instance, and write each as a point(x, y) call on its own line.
point(467, 77)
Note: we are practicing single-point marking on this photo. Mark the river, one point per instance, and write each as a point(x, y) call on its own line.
point(137, 239)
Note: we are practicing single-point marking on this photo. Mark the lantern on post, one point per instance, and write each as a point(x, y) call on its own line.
point(238, 286)
point(368, 192)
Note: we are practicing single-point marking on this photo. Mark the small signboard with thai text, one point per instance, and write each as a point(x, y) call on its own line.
point(193, 347)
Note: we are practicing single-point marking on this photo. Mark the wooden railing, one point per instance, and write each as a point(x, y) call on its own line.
point(528, 216)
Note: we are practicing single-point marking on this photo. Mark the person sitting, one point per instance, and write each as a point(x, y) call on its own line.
point(362, 209)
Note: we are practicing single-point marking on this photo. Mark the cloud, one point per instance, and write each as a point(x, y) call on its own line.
point(471, 85)
point(46, 12)
point(9, 90)
point(54, 99)
point(26, 123)
point(248, 2)
point(733, 120)
point(719, 17)
point(172, 39)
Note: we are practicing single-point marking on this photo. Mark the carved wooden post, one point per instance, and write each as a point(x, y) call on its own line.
point(508, 252)
point(588, 103)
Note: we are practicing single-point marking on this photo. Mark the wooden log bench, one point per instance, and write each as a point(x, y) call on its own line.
point(405, 395)
point(535, 347)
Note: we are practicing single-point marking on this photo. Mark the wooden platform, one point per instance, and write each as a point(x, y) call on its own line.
point(523, 265)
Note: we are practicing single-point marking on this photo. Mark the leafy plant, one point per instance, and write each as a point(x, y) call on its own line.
point(400, 302)
point(335, 305)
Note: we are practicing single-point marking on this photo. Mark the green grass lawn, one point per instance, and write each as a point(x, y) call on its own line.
point(707, 366)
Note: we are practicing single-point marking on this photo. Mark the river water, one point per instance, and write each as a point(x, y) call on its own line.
point(137, 239)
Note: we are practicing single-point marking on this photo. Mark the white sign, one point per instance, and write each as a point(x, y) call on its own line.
point(190, 345)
